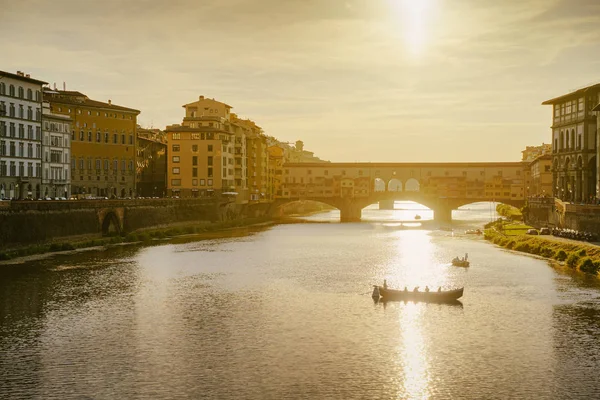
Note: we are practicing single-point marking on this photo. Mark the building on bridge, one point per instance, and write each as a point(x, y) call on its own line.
point(574, 149)
point(103, 146)
point(20, 136)
point(440, 186)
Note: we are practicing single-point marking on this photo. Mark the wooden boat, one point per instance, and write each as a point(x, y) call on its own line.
point(417, 217)
point(461, 262)
point(386, 294)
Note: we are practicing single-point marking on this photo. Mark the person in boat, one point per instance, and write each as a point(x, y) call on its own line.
point(427, 289)
point(416, 289)
point(385, 284)
point(440, 289)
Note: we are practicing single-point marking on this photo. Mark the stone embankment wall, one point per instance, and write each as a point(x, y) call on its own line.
point(25, 222)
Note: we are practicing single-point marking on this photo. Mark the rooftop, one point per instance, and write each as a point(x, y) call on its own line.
point(80, 99)
point(21, 76)
point(576, 93)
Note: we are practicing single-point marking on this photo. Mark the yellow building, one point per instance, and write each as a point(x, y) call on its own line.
point(103, 146)
point(276, 158)
point(257, 163)
point(541, 176)
point(201, 151)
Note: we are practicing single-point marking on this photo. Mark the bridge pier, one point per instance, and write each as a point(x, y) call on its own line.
point(442, 214)
point(386, 204)
point(350, 212)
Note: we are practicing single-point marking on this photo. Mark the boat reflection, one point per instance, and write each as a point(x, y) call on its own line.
point(450, 303)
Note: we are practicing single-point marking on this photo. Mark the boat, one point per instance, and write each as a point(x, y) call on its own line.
point(385, 294)
point(473, 231)
point(417, 217)
point(461, 262)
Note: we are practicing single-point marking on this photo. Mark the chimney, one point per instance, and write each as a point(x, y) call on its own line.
point(201, 98)
point(64, 86)
point(109, 101)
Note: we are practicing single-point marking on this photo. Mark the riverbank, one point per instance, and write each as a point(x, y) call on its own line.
point(142, 236)
point(578, 256)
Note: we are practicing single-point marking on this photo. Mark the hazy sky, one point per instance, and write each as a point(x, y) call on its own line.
point(356, 80)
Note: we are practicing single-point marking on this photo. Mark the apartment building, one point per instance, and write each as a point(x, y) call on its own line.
point(56, 150)
point(151, 162)
point(103, 145)
point(574, 144)
point(20, 136)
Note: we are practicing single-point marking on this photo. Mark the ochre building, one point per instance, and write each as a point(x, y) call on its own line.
point(103, 145)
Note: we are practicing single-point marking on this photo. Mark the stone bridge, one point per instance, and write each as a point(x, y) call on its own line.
point(442, 187)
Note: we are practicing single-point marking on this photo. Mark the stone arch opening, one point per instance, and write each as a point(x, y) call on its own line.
point(394, 185)
point(378, 185)
point(110, 224)
point(412, 185)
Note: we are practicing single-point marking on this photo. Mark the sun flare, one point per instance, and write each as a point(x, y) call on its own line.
point(414, 15)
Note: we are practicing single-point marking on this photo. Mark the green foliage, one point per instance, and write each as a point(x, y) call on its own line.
point(572, 260)
point(582, 253)
point(510, 244)
point(589, 266)
point(4, 256)
point(560, 255)
point(546, 252)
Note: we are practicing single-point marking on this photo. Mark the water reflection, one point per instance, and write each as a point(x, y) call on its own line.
point(412, 354)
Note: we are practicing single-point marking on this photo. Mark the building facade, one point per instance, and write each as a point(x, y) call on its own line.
point(103, 145)
point(540, 170)
point(276, 159)
point(574, 145)
point(151, 163)
point(20, 136)
point(201, 151)
point(56, 154)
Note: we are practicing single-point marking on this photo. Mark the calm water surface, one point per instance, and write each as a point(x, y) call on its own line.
point(285, 312)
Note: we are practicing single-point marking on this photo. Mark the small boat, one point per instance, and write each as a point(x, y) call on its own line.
point(461, 262)
point(417, 217)
point(473, 231)
point(385, 294)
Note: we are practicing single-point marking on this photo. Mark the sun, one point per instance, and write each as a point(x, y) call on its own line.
point(415, 18)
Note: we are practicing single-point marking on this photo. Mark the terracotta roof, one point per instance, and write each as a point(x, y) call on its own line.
point(22, 78)
point(576, 93)
point(80, 99)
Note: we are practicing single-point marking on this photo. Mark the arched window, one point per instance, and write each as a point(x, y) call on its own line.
point(29, 94)
point(562, 140)
point(573, 139)
point(11, 90)
point(21, 92)
point(2, 88)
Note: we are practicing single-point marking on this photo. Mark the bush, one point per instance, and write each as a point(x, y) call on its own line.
point(573, 260)
point(546, 252)
point(587, 265)
point(510, 244)
point(523, 246)
point(560, 255)
point(144, 237)
point(582, 253)
point(4, 256)
point(67, 246)
point(131, 237)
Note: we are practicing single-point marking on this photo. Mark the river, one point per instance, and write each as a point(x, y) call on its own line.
point(285, 312)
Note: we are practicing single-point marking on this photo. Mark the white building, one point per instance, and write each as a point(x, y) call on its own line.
point(56, 148)
point(20, 136)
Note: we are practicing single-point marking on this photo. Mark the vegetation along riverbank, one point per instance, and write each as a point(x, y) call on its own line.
point(580, 256)
point(144, 236)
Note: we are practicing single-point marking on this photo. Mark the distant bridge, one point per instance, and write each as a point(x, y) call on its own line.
point(442, 187)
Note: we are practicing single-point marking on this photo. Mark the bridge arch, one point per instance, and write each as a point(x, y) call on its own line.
point(379, 185)
point(111, 224)
point(412, 185)
point(394, 185)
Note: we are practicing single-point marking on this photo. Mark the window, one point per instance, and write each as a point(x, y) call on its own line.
point(210, 182)
point(202, 182)
point(176, 136)
point(175, 170)
point(122, 139)
point(175, 159)
point(115, 138)
point(106, 164)
point(195, 172)
point(210, 173)
point(130, 139)
point(195, 148)
point(98, 137)
point(210, 147)
point(175, 182)
point(210, 160)
point(105, 137)
point(98, 164)
point(175, 147)
point(21, 95)
point(195, 160)
point(11, 90)
point(89, 136)
point(29, 94)
point(115, 165)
